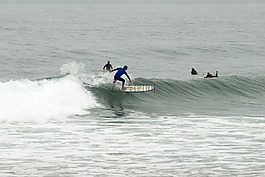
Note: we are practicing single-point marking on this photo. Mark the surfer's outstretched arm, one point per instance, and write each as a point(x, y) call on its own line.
point(113, 70)
point(128, 77)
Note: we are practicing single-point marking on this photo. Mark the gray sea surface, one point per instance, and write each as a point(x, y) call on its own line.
point(61, 116)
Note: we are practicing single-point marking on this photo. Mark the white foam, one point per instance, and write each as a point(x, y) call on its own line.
point(95, 78)
point(72, 68)
point(98, 78)
point(25, 100)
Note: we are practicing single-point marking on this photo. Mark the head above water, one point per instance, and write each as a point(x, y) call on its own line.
point(125, 67)
point(108, 62)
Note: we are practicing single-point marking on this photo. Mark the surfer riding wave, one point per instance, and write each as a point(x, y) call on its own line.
point(119, 73)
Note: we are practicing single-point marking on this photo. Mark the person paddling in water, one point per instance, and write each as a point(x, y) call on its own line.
point(209, 75)
point(193, 72)
point(108, 66)
point(119, 73)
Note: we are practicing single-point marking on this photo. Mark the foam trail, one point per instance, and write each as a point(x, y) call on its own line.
point(38, 101)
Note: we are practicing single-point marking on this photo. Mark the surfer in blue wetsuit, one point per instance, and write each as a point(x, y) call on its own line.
point(108, 66)
point(119, 73)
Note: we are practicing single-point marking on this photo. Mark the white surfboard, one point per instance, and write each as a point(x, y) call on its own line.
point(138, 88)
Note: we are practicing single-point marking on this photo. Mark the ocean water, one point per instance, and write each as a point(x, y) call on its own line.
point(61, 116)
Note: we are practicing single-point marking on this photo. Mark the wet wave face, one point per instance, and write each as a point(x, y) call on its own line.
point(225, 94)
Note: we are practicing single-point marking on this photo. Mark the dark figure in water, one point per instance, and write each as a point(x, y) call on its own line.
point(193, 72)
point(209, 75)
point(108, 66)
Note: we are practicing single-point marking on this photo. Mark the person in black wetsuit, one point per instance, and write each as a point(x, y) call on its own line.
point(119, 73)
point(209, 75)
point(193, 72)
point(108, 66)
